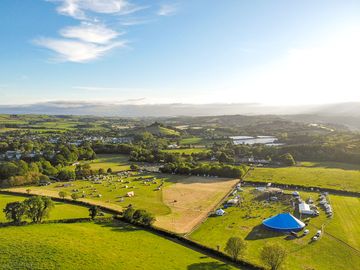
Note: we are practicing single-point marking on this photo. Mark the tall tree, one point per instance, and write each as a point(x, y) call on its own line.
point(235, 247)
point(38, 208)
point(273, 255)
point(14, 211)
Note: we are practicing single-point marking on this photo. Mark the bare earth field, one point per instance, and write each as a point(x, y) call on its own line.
point(190, 201)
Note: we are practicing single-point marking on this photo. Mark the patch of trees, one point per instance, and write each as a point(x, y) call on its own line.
point(212, 169)
point(35, 208)
point(138, 216)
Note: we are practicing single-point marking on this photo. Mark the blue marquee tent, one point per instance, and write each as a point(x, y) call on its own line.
point(284, 222)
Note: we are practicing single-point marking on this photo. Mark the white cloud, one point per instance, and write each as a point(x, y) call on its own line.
point(92, 38)
point(76, 51)
point(167, 9)
point(77, 8)
point(95, 33)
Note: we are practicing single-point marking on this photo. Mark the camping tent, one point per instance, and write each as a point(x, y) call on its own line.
point(304, 208)
point(284, 222)
point(220, 212)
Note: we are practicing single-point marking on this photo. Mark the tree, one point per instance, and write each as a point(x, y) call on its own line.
point(109, 171)
point(235, 247)
point(28, 191)
point(134, 167)
point(66, 174)
point(38, 208)
point(101, 171)
point(138, 215)
point(148, 219)
point(75, 196)
point(287, 159)
point(62, 194)
point(273, 255)
point(129, 213)
point(14, 211)
point(93, 211)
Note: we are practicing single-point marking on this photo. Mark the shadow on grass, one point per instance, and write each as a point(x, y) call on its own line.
point(119, 226)
point(259, 232)
point(333, 165)
point(209, 266)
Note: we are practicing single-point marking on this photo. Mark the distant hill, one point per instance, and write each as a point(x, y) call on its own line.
point(342, 113)
point(159, 130)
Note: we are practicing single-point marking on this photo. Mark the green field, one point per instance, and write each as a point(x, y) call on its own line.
point(115, 162)
point(327, 253)
point(95, 246)
point(191, 140)
point(60, 211)
point(324, 175)
point(146, 197)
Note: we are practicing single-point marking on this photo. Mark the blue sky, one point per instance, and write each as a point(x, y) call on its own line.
point(201, 51)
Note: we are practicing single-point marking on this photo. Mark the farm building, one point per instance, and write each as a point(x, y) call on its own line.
point(284, 222)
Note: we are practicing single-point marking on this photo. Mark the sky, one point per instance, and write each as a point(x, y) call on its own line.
point(275, 52)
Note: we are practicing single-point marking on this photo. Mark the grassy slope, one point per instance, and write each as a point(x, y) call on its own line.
point(191, 140)
point(115, 162)
point(318, 174)
point(328, 253)
point(92, 246)
point(61, 210)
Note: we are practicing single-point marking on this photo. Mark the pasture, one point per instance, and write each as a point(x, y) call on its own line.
point(95, 246)
point(330, 252)
point(180, 203)
point(323, 175)
point(115, 162)
point(191, 140)
point(60, 211)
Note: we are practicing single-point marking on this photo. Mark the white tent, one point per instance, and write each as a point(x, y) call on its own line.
point(220, 212)
point(304, 208)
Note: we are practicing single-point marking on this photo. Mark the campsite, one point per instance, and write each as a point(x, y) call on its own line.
point(179, 204)
point(246, 221)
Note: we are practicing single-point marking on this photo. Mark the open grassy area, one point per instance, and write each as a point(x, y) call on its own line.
point(60, 211)
point(191, 140)
point(327, 253)
point(95, 246)
point(312, 175)
point(115, 162)
point(179, 205)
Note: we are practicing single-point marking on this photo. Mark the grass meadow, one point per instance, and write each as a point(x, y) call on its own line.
point(60, 211)
point(95, 246)
point(324, 175)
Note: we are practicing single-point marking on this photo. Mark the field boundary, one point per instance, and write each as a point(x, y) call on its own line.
point(306, 188)
point(212, 210)
point(179, 239)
